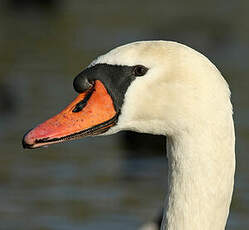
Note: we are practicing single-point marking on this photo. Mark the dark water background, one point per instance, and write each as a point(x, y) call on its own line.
point(100, 183)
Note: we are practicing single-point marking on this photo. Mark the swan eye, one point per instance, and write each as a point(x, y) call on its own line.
point(140, 70)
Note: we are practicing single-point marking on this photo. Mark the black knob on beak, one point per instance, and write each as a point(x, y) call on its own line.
point(81, 84)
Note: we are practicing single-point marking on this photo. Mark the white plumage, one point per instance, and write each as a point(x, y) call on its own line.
point(184, 97)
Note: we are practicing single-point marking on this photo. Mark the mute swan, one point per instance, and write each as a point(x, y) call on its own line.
point(164, 88)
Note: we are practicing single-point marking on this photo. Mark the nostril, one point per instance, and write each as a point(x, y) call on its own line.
point(81, 84)
point(79, 106)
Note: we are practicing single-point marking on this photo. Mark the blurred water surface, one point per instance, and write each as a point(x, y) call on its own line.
point(95, 183)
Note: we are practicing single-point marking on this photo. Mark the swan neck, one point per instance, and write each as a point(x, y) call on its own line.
point(201, 177)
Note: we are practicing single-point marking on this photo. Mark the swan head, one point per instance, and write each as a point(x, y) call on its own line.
point(153, 87)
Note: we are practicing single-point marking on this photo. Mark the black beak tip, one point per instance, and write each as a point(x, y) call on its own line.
point(25, 145)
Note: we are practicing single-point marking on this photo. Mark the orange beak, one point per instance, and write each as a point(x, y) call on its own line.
point(91, 113)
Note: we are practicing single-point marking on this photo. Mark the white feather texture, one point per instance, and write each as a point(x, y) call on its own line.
point(184, 97)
